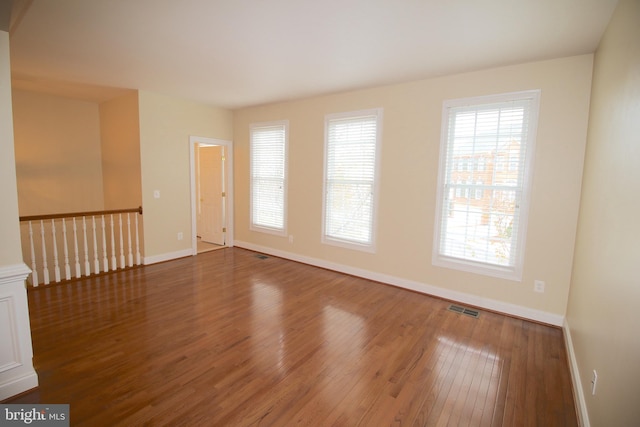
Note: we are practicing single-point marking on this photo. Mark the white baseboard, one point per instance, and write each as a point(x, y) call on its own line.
point(486, 303)
point(154, 259)
point(578, 391)
point(18, 385)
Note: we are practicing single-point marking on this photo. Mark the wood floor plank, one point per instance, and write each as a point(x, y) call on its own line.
point(229, 339)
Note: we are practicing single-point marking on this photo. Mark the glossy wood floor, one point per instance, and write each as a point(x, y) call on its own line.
point(228, 339)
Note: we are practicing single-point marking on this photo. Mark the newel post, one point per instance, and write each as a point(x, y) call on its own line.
point(17, 373)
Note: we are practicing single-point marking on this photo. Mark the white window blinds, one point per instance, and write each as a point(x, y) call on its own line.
point(351, 145)
point(268, 151)
point(482, 208)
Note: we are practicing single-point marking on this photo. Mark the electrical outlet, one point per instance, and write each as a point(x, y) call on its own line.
point(290, 238)
point(594, 382)
point(156, 194)
point(538, 286)
point(180, 236)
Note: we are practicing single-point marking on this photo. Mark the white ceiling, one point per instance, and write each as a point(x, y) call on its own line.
point(235, 53)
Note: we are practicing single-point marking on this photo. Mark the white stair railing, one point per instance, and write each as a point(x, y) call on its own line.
point(105, 258)
point(45, 264)
point(114, 264)
point(67, 267)
point(122, 264)
point(34, 270)
point(96, 261)
point(56, 265)
point(94, 250)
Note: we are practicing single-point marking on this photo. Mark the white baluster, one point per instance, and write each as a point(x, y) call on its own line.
point(75, 249)
point(56, 267)
point(96, 262)
point(130, 255)
point(114, 264)
point(45, 268)
point(34, 270)
point(122, 264)
point(65, 248)
point(87, 265)
point(137, 243)
point(105, 260)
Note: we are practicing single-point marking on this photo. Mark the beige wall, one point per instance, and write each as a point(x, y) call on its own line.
point(605, 289)
point(77, 156)
point(409, 168)
point(58, 155)
point(165, 126)
point(10, 248)
point(120, 142)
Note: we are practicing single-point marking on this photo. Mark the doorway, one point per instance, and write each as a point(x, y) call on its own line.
point(211, 194)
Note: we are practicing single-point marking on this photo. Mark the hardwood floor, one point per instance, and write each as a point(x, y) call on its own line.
point(229, 339)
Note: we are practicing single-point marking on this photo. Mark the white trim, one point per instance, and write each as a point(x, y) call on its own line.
point(154, 259)
point(508, 273)
point(282, 232)
point(18, 385)
point(13, 273)
point(228, 172)
point(576, 382)
point(424, 288)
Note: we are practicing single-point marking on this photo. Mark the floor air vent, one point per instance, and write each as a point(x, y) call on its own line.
point(464, 310)
point(261, 256)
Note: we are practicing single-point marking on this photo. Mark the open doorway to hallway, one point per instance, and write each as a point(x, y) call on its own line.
point(210, 189)
point(210, 194)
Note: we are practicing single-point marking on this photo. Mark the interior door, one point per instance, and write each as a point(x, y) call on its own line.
point(211, 169)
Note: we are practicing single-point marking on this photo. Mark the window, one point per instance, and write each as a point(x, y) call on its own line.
point(486, 234)
point(268, 152)
point(514, 160)
point(479, 190)
point(350, 179)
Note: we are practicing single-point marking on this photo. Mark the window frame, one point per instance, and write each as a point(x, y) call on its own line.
point(285, 180)
point(332, 240)
point(512, 271)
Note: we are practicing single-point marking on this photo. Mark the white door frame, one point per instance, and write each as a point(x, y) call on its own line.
point(228, 175)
